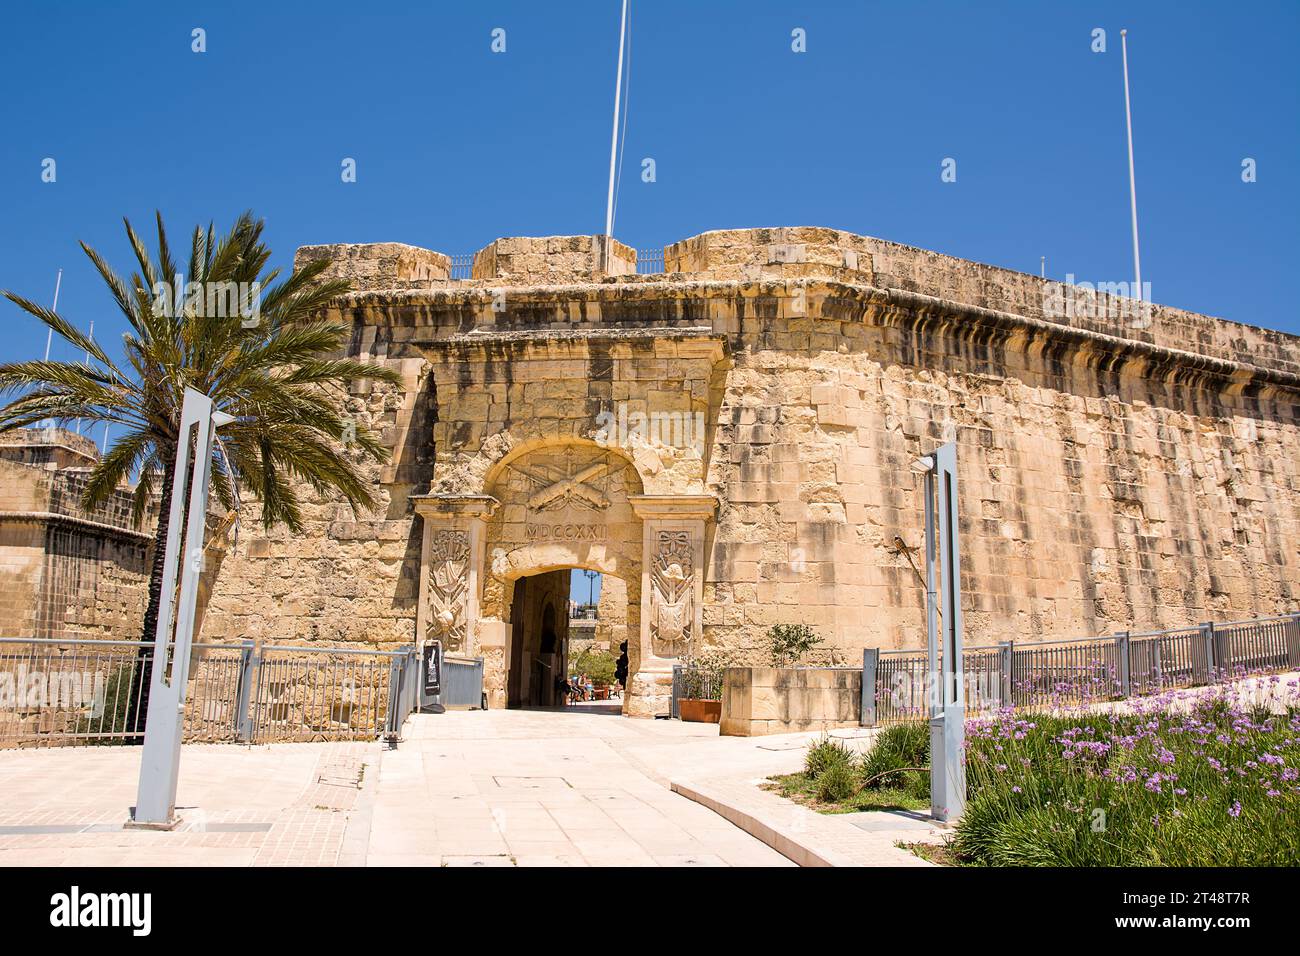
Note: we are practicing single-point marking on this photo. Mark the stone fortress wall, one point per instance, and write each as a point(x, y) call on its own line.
point(1119, 471)
point(66, 572)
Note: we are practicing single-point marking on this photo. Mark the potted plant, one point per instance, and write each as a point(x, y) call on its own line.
point(701, 688)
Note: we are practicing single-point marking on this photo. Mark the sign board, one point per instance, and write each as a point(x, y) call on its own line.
point(432, 668)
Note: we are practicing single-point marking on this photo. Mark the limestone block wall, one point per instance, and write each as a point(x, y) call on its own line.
point(1114, 476)
point(810, 251)
point(766, 700)
point(611, 614)
point(48, 447)
point(1093, 498)
point(348, 579)
point(552, 259)
point(66, 571)
point(377, 265)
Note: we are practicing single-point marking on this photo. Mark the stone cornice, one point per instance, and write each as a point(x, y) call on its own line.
point(459, 506)
point(85, 524)
point(673, 506)
point(918, 306)
point(881, 306)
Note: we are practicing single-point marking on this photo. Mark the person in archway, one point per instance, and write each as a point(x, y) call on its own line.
point(563, 691)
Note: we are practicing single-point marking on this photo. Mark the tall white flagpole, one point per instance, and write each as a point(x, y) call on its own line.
point(91, 335)
point(613, 141)
point(49, 335)
point(1132, 182)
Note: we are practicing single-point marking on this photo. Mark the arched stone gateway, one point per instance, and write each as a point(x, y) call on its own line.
point(732, 438)
point(544, 505)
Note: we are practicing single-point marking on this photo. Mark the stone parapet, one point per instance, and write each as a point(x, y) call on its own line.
point(553, 259)
point(376, 265)
point(771, 700)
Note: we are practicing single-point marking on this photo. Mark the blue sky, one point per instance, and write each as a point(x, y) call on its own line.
point(456, 145)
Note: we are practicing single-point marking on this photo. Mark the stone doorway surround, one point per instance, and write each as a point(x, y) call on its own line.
point(472, 555)
point(672, 593)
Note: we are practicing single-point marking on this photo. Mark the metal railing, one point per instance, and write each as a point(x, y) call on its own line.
point(60, 693)
point(649, 261)
point(1086, 670)
point(462, 266)
point(693, 683)
point(462, 682)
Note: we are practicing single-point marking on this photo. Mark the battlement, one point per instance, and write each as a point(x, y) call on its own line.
point(53, 448)
point(720, 262)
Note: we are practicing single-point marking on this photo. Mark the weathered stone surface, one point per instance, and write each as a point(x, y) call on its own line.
point(1115, 474)
point(766, 700)
point(66, 571)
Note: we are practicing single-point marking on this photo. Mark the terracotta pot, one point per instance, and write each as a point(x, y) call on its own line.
point(700, 711)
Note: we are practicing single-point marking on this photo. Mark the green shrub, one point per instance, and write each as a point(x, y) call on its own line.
point(120, 687)
point(597, 665)
point(837, 782)
point(898, 745)
point(828, 753)
point(788, 643)
point(1207, 785)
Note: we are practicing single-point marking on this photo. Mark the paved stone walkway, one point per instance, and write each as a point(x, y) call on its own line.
point(274, 805)
point(576, 787)
point(544, 788)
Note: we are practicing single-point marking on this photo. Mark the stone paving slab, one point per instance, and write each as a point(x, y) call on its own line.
point(466, 788)
point(272, 805)
point(545, 788)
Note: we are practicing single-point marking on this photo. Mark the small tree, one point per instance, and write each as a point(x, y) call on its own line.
point(600, 666)
point(788, 643)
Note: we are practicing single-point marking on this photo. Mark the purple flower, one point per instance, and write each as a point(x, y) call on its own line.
point(1235, 809)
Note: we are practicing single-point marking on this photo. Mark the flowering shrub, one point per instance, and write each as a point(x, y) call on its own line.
point(1178, 780)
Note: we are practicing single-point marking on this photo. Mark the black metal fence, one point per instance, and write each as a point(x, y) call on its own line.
point(1086, 670)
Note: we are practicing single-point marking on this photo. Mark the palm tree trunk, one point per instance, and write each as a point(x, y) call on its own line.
point(139, 708)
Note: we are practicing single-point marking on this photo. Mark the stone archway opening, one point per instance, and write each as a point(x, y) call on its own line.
point(548, 506)
point(554, 636)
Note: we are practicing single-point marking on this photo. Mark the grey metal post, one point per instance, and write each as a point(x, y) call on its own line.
point(933, 690)
point(1293, 641)
point(1207, 635)
point(248, 663)
point(870, 665)
point(947, 696)
point(674, 710)
point(954, 683)
point(415, 662)
point(155, 805)
point(1008, 652)
point(1125, 669)
point(1155, 664)
point(394, 696)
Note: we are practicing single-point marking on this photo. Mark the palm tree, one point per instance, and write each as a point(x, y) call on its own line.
point(278, 376)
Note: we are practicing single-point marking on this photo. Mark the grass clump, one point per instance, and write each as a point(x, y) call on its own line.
point(827, 753)
point(896, 747)
point(837, 782)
